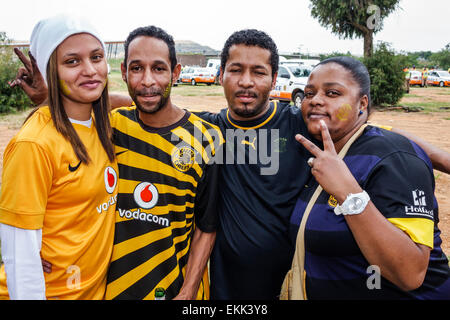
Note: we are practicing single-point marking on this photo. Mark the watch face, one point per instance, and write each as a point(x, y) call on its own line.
point(355, 204)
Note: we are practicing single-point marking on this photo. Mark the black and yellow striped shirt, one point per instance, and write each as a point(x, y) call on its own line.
point(167, 188)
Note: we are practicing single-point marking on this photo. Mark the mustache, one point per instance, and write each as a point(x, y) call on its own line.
point(250, 93)
point(148, 92)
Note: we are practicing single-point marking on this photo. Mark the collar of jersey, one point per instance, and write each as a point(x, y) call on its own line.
point(46, 111)
point(162, 130)
point(256, 123)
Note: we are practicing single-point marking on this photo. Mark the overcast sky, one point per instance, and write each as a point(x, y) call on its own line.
point(418, 25)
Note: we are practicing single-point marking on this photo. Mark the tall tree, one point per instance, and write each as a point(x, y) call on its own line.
point(353, 18)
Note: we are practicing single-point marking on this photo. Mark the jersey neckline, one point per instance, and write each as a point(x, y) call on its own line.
point(162, 130)
point(256, 123)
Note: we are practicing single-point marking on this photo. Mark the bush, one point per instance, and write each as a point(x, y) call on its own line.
point(386, 76)
point(11, 99)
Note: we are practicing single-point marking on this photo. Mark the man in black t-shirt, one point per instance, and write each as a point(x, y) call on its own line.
point(264, 170)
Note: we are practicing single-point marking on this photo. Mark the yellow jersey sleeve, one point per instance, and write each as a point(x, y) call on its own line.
point(26, 182)
point(418, 229)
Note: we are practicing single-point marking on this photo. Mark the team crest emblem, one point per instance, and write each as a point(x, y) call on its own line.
point(332, 201)
point(110, 176)
point(183, 158)
point(145, 195)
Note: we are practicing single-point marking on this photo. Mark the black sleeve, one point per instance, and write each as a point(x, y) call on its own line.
point(207, 116)
point(402, 186)
point(206, 207)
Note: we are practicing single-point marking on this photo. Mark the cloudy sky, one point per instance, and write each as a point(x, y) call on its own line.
point(418, 25)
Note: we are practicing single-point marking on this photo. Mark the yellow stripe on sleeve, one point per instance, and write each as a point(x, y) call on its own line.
point(389, 128)
point(420, 230)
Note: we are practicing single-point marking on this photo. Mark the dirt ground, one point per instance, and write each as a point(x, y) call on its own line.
point(433, 128)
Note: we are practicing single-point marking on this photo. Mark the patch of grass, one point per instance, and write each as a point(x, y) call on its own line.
point(14, 120)
point(443, 91)
point(198, 90)
point(114, 64)
point(409, 95)
point(115, 82)
point(432, 106)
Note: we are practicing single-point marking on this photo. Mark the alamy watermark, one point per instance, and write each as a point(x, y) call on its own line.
point(374, 279)
point(374, 21)
point(252, 146)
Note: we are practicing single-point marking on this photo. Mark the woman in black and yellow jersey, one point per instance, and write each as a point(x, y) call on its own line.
point(59, 183)
point(373, 231)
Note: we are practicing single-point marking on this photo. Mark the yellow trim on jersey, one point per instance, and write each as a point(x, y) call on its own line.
point(420, 230)
point(389, 128)
point(257, 126)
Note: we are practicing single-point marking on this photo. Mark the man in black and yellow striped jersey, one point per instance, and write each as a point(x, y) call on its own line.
point(166, 213)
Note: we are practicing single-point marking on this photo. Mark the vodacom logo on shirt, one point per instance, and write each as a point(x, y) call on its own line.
point(110, 177)
point(146, 195)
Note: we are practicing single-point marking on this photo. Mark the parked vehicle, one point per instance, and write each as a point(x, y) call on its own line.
point(186, 74)
point(310, 63)
point(213, 64)
point(439, 78)
point(291, 82)
point(416, 78)
point(198, 75)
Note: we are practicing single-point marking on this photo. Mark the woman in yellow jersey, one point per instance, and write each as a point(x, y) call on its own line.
point(59, 183)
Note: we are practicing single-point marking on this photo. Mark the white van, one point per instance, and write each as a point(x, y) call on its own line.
point(291, 82)
point(213, 64)
point(304, 62)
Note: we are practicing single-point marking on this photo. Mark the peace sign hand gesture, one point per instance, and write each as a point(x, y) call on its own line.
point(29, 78)
point(330, 171)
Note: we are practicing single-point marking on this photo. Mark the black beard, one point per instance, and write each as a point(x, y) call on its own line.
point(161, 104)
point(245, 113)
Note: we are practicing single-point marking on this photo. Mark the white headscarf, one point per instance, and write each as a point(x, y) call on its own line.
point(49, 33)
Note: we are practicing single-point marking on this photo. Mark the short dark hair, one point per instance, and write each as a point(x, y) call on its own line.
point(358, 71)
point(155, 32)
point(251, 37)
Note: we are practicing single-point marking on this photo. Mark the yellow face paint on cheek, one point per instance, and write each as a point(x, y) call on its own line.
point(167, 90)
point(344, 112)
point(64, 88)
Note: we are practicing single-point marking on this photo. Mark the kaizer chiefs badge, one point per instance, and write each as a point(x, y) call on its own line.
point(332, 201)
point(183, 158)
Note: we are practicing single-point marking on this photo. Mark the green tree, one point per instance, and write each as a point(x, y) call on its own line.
point(442, 58)
point(324, 56)
point(386, 76)
point(353, 18)
point(11, 99)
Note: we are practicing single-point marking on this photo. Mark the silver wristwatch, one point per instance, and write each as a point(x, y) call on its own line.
point(354, 204)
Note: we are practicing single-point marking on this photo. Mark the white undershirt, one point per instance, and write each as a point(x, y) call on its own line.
point(21, 254)
point(86, 123)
